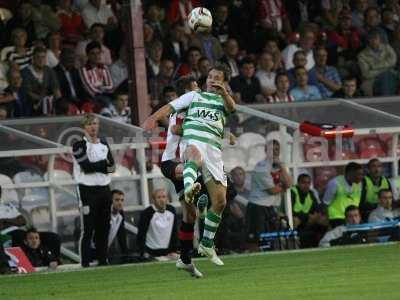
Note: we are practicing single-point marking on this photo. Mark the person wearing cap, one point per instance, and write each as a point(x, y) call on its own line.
point(95, 76)
point(376, 59)
point(93, 162)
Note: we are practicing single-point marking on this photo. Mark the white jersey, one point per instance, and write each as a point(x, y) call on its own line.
point(173, 140)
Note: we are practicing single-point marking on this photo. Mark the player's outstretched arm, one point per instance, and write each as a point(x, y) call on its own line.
point(151, 122)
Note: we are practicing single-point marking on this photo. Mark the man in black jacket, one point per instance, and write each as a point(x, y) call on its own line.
point(38, 255)
point(92, 165)
point(68, 77)
point(158, 231)
point(117, 235)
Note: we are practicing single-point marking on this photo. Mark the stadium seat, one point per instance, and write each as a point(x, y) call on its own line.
point(249, 139)
point(121, 171)
point(255, 154)
point(59, 175)
point(234, 156)
point(129, 187)
point(31, 197)
point(8, 195)
point(371, 147)
point(40, 218)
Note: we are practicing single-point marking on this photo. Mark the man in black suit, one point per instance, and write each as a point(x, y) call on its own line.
point(117, 236)
point(68, 77)
point(175, 45)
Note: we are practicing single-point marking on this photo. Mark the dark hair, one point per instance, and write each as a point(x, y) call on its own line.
point(349, 209)
point(319, 208)
point(92, 45)
point(246, 61)
point(191, 49)
point(222, 67)
point(119, 192)
point(97, 25)
point(369, 9)
point(168, 89)
point(183, 83)
point(298, 52)
point(298, 68)
point(350, 78)
point(202, 59)
point(280, 74)
point(31, 230)
point(302, 176)
point(352, 167)
point(371, 161)
point(39, 49)
point(382, 191)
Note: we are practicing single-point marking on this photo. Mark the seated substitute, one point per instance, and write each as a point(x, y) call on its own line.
point(158, 234)
point(384, 211)
point(353, 217)
point(38, 255)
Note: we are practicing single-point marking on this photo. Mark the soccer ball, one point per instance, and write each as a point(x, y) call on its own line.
point(200, 19)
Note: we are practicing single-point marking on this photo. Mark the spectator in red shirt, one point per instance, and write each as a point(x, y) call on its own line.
point(72, 25)
point(179, 10)
point(272, 15)
point(282, 89)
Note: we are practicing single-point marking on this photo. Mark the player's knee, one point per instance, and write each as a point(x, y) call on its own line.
point(193, 154)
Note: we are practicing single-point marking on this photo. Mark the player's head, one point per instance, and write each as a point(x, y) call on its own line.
point(304, 182)
point(186, 84)
point(353, 216)
point(32, 238)
point(220, 73)
point(118, 198)
point(385, 197)
point(90, 124)
point(160, 199)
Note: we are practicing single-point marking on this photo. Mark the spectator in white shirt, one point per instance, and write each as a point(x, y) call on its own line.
point(96, 12)
point(265, 73)
point(306, 43)
point(118, 110)
point(384, 211)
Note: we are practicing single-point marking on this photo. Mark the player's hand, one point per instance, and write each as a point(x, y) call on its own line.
point(220, 88)
point(149, 124)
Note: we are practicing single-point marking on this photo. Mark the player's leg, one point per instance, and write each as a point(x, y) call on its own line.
point(193, 161)
point(174, 171)
point(186, 236)
point(217, 192)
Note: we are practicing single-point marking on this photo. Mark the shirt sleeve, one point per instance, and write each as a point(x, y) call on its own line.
point(183, 101)
point(263, 178)
point(330, 192)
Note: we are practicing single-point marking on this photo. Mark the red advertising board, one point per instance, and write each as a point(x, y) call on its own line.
point(19, 260)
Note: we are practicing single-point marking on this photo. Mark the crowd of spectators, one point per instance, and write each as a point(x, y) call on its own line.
point(66, 57)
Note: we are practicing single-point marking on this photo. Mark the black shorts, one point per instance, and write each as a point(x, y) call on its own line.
point(168, 170)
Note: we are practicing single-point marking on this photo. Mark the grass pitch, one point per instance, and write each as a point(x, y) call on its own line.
point(367, 272)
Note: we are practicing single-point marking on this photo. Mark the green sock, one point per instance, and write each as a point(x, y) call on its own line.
point(211, 224)
point(189, 174)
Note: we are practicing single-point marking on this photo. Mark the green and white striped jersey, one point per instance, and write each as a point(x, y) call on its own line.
point(205, 118)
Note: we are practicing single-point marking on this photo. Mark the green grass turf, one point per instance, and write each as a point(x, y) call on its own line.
point(368, 272)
